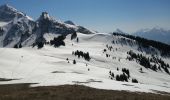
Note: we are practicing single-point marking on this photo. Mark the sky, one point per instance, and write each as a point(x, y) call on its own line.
point(101, 15)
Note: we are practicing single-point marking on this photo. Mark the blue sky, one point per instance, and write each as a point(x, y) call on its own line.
point(101, 15)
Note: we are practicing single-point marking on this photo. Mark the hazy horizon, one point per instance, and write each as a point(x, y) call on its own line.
point(103, 15)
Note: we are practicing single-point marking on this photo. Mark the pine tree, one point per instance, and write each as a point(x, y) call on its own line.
point(117, 69)
point(20, 46)
point(134, 81)
point(77, 39)
point(112, 74)
point(117, 78)
point(40, 45)
point(73, 35)
point(74, 61)
point(15, 46)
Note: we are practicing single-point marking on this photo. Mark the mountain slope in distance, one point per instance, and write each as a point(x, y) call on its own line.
point(158, 34)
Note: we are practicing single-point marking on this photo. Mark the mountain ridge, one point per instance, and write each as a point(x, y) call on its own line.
point(8, 13)
point(156, 33)
point(19, 23)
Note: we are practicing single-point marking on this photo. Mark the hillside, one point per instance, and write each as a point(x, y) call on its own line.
point(51, 66)
point(49, 52)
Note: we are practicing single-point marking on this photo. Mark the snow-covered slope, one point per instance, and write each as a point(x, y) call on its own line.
point(3, 24)
point(48, 66)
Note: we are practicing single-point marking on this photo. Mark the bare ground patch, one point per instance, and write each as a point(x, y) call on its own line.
point(71, 92)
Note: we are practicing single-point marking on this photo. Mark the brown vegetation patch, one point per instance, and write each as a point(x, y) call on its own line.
point(71, 92)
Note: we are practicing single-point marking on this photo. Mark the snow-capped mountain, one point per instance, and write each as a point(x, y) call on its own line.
point(17, 28)
point(158, 34)
point(80, 29)
point(47, 24)
point(69, 22)
point(22, 30)
point(16, 31)
point(8, 13)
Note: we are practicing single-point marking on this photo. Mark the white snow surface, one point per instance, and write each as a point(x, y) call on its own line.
point(48, 66)
point(3, 23)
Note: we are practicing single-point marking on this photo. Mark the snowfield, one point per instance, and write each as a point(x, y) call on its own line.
point(48, 66)
point(3, 23)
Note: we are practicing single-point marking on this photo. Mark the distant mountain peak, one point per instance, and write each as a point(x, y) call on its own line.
point(119, 31)
point(45, 15)
point(154, 30)
point(69, 22)
point(155, 33)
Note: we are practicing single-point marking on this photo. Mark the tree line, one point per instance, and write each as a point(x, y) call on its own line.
point(146, 61)
point(125, 77)
point(82, 54)
point(162, 47)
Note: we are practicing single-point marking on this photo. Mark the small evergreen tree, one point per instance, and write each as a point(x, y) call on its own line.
point(20, 46)
point(15, 46)
point(77, 39)
point(134, 81)
point(117, 78)
point(74, 61)
point(112, 74)
point(73, 35)
point(40, 45)
point(88, 69)
point(117, 69)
